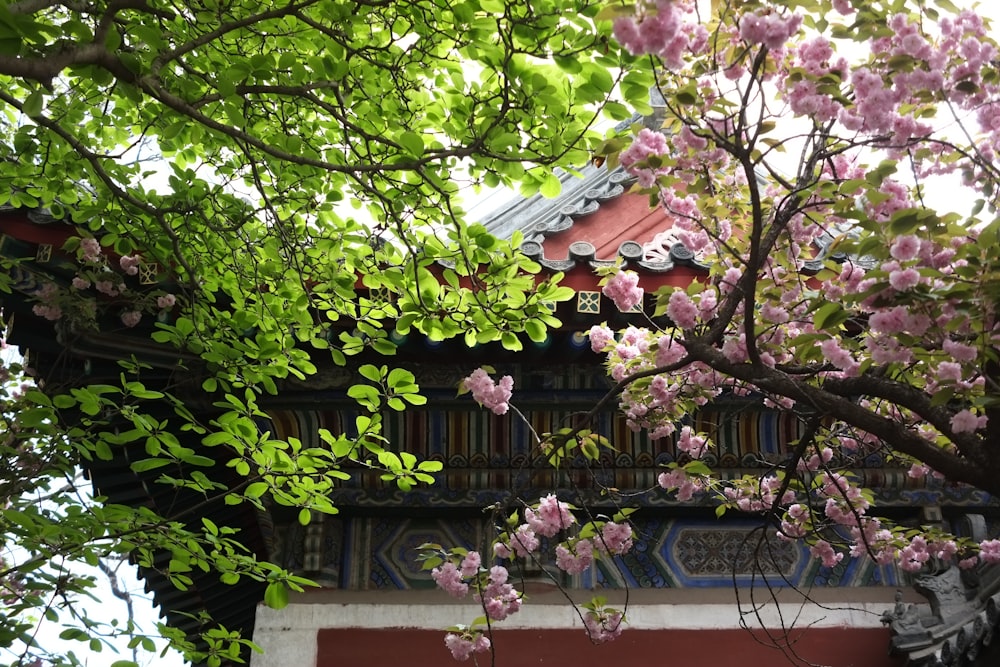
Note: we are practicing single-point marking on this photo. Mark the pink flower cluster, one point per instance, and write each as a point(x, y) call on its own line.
point(90, 250)
point(130, 318)
point(989, 552)
point(823, 551)
point(551, 516)
point(494, 396)
point(600, 337)
point(47, 306)
point(682, 310)
point(770, 29)
point(462, 646)
point(966, 421)
point(109, 287)
point(695, 446)
point(603, 625)
point(660, 29)
point(805, 95)
point(499, 598)
point(615, 538)
point(635, 159)
point(678, 479)
point(757, 495)
point(130, 264)
point(574, 556)
point(623, 288)
point(449, 578)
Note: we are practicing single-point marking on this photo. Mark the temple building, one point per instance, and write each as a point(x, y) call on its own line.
point(697, 589)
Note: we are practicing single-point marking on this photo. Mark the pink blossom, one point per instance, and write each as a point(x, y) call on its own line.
point(494, 396)
point(989, 551)
point(668, 351)
point(825, 552)
point(51, 313)
point(524, 541)
point(462, 647)
point(499, 574)
point(574, 558)
point(772, 30)
point(889, 321)
point(623, 288)
point(449, 579)
point(691, 444)
point(130, 318)
point(109, 288)
point(615, 537)
point(603, 626)
point(838, 356)
point(904, 279)
point(944, 550)
point(499, 598)
point(707, 303)
point(967, 422)
point(729, 280)
point(470, 564)
point(80, 283)
point(959, 351)
point(913, 556)
point(166, 301)
point(647, 144)
point(600, 336)
point(773, 313)
point(130, 264)
point(681, 310)
point(678, 479)
point(651, 33)
point(905, 248)
point(91, 249)
point(552, 516)
point(949, 371)
point(843, 7)
point(735, 348)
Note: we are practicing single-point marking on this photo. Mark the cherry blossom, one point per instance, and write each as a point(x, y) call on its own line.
point(130, 264)
point(551, 516)
point(623, 288)
point(490, 394)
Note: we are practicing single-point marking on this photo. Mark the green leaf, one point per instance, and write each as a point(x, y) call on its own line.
point(830, 315)
point(550, 186)
point(145, 465)
point(276, 595)
point(256, 489)
point(412, 143)
point(33, 104)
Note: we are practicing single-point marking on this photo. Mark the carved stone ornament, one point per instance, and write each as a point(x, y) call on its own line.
point(958, 626)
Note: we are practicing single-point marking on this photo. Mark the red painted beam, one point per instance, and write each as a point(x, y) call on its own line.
point(836, 647)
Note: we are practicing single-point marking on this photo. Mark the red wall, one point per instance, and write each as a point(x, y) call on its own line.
point(835, 647)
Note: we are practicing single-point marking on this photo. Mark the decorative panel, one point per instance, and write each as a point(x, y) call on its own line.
point(380, 552)
point(588, 302)
point(497, 455)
